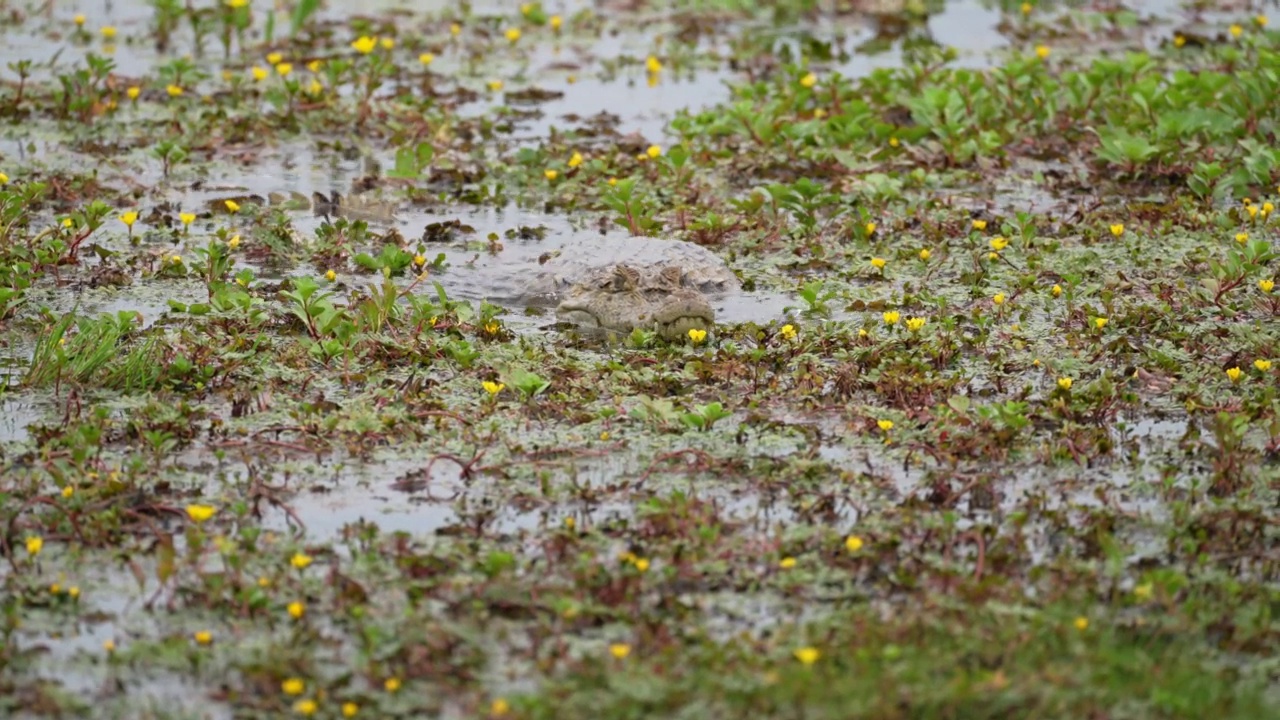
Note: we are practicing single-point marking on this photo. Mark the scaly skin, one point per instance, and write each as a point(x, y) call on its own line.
point(629, 300)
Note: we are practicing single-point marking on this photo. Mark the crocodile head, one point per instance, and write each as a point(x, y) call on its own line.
point(627, 299)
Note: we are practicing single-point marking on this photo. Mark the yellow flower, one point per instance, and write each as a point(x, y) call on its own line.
point(426, 59)
point(551, 174)
point(993, 256)
point(129, 219)
point(1143, 591)
point(349, 709)
point(979, 225)
point(893, 142)
point(1266, 285)
point(1081, 623)
point(1065, 383)
point(455, 29)
point(878, 263)
point(232, 206)
point(175, 259)
point(305, 707)
point(998, 298)
point(853, 543)
point(392, 684)
point(499, 707)
point(869, 228)
point(1252, 210)
point(274, 58)
point(1100, 322)
point(891, 317)
point(109, 645)
point(237, 4)
point(234, 242)
point(613, 181)
point(696, 335)
point(315, 65)
point(364, 44)
point(620, 650)
point(293, 686)
point(79, 19)
point(807, 655)
point(1179, 41)
point(925, 254)
point(284, 68)
point(1026, 8)
point(654, 151)
point(513, 35)
point(1117, 229)
point(1260, 20)
point(1042, 51)
point(998, 243)
point(1056, 290)
point(133, 92)
point(174, 90)
point(788, 332)
point(556, 21)
point(187, 218)
point(495, 85)
point(35, 544)
point(68, 491)
point(300, 560)
point(203, 637)
point(915, 324)
point(387, 43)
point(885, 425)
point(1236, 31)
point(296, 609)
point(331, 276)
point(200, 513)
point(653, 65)
point(108, 31)
point(575, 159)
point(809, 80)
point(315, 88)
point(1235, 374)
point(1262, 365)
point(493, 388)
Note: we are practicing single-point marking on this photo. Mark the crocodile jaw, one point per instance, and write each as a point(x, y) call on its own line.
point(672, 319)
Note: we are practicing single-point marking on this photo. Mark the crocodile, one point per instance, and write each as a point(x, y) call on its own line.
point(354, 206)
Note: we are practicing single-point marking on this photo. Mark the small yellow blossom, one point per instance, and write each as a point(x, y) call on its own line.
point(853, 543)
point(174, 90)
point(878, 263)
point(894, 142)
point(234, 242)
point(1081, 623)
point(1143, 592)
point(998, 298)
point(455, 29)
point(495, 85)
point(1026, 8)
point(613, 181)
point(129, 219)
point(1042, 51)
point(79, 19)
point(1179, 40)
point(133, 92)
point(187, 218)
point(551, 174)
point(891, 317)
point(641, 564)
point(998, 243)
point(809, 80)
point(296, 609)
point(108, 31)
point(575, 160)
point(232, 206)
point(499, 707)
point(915, 324)
point(175, 259)
point(237, 4)
point(293, 686)
point(1056, 291)
point(1260, 20)
point(315, 65)
point(200, 513)
point(274, 58)
point(788, 332)
point(315, 87)
point(284, 68)
point(1262, 365)
point(807, 655)
point(387, 43)
point(364, 44)
point(300, 560)
point(331, 276)
point(202, 637)
point(1266, 285)
point(306, 707)
point(1100, 323)
point(925, 254)
point(1117, 229)
point(1252, 210)
point(620, 650)
point(349, 709)
point(1235, 374)
point(653, 65)
point(654, 151)
point(1065, 383)
point(555, 21)
point(787, 563)
point(68, 491)
point(1235, 31)
point(869, 228)
point(492, 388)
point(696, 336)
point(513, 35)
point(35, 544)
point(885, 425)
point(979, 225)
point(391, 684)
point(426, 59)
point(109, 645)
